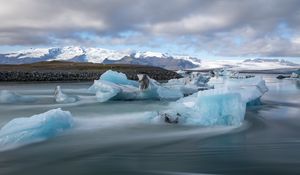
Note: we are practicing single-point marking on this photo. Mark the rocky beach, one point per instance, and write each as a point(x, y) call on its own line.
point(71, 71)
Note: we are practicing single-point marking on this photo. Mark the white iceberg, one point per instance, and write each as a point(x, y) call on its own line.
point(21, 131)
point(60, 97)
point(221, 106)
point(190, 84)
point(9, 97)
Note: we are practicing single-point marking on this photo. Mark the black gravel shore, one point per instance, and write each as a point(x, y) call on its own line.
point(70, 71)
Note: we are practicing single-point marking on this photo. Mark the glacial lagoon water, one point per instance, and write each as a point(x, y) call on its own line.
point(115, 138)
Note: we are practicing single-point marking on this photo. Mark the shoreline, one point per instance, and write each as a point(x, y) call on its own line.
point(267, 71)
point(57, 71)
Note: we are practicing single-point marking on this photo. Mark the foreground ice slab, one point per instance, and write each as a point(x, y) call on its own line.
point(221, 106)
point(21, 131)
point(7, 96)
point(115, 86)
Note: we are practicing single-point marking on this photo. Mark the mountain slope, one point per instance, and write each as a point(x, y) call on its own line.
point(99, 55)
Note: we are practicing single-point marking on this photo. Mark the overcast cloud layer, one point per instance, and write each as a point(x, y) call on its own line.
point(219, 27)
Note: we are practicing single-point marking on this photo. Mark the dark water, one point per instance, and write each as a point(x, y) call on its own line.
point(112, 139)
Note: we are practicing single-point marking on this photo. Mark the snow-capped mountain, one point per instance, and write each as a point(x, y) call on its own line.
point(165, 60)
point(271, 61)
point(249, 64)
point(99, 55)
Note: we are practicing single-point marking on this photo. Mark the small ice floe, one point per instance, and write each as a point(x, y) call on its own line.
point(60, 97)
point(190, 84)
point(26, 130)
point(8, 97)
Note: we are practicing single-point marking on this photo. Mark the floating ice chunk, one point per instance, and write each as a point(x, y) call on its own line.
point(105, 90)
point(251, 89)
point(218, 107)
point(205, 108)
point(21, 131)
point(60, 97)
point(121, 88)
point(7, 96)
point(189, 84)
point(117, 77)
point(221, 106)
point(294, 75)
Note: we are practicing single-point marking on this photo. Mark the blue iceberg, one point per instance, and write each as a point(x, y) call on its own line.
point(117, 78)
point(222, 106)
point(22, 131)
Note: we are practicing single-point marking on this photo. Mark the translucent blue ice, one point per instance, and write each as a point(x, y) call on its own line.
point(221, 106)
point(21, 131)
point(117, 78)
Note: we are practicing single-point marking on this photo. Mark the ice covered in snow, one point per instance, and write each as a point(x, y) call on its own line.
point(7, 96)
point(26, 130)
point(225, 105)
point(60, 97)
point(115, 86)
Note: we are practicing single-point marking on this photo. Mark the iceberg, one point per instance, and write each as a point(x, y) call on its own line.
point(115, 86)
point(190, 84)
point(117, 78)
point(224, 106)
point(22, 131)
point(60, 97)
point(8, 97)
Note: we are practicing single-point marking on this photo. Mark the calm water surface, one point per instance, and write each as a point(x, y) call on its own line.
point(115, 138)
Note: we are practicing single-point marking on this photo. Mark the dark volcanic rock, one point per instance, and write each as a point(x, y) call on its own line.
point(71, 71)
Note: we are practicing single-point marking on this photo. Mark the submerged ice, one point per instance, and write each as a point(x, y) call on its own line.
point(26, 130)
point(7, 96)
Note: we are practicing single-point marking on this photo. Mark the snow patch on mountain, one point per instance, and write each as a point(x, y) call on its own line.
point(98, 55)
point(150, 54)
point(33, 53)
point(68, 53)
point(248, 64)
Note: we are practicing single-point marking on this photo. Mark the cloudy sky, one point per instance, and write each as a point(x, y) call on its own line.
point(226, 28)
